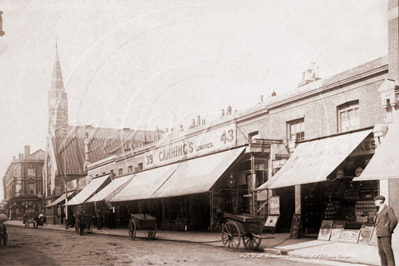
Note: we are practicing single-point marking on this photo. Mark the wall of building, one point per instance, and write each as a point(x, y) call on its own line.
point(319, 112)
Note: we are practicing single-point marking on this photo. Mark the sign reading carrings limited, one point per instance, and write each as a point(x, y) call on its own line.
point(204, 143)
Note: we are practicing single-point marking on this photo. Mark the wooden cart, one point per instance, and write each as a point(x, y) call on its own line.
point(247, 227)
point(143, 222)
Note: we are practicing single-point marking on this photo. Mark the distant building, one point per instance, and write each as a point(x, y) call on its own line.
point(22, 183)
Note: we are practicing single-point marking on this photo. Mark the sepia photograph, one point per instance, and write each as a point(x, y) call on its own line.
point(199, 132)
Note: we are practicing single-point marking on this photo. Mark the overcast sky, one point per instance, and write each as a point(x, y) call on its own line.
point(143, 63)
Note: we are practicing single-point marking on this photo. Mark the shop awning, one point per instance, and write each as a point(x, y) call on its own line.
point(111, 189)
point(198, 175)
point(184, 178)
point(61, 199)
point(145, 183)
point(88, 191)
point(313, 161)
point(385, 162)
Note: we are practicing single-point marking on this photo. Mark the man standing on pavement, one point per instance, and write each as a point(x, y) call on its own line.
point(385, 224)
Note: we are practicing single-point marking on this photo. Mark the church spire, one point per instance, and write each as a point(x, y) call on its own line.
point(57, 98)
point(57, 82)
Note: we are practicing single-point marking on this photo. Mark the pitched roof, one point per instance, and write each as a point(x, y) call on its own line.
point(103, 143)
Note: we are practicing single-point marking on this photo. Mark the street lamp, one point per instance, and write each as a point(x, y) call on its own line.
point(3, 45)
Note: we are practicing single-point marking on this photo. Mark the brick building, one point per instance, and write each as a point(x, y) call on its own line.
point(23, 183)
point(310, 144)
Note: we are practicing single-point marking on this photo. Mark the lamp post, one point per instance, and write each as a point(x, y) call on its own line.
point(65, 133)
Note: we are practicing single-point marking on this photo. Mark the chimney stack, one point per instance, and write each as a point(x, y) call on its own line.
point(198, 120)
point(203, 121)
point(181, 128)
point(27, 151)
point(229, 110)
point(260, 98)
point(222, 113)
point(192, 123)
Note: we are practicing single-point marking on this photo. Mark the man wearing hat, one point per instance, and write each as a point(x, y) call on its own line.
point(384, 225)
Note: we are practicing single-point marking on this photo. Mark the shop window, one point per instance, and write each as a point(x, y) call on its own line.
point(296, 130)
point(252, 136)
point(348, 116)
point(120, 171)
point(32, 188)
point(130, 169)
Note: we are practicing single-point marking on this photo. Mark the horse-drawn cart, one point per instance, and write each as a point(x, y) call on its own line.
point(247, 227)
point(143, 222)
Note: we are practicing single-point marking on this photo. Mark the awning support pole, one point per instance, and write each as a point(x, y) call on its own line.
point(252, 186)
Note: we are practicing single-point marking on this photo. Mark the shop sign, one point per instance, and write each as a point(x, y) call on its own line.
point(349, 236)
point(367, 146)
point(279, 163)
point(358, 171)
point(72, 185)
point(274, 205)
point(208, 142)
point(325, 230)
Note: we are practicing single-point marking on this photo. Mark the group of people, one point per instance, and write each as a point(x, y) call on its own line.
point(100, 218)
point(103, 217)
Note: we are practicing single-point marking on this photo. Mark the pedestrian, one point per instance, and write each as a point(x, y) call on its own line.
point(111, 219)
point(82, 222)
point(99, 219)
point(384, 225)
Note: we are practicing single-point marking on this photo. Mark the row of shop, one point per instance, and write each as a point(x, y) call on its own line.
point(324, 179)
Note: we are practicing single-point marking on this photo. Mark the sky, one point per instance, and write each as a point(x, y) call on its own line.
point(145, 64)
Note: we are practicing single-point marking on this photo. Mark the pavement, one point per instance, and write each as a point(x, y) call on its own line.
point(276, 245)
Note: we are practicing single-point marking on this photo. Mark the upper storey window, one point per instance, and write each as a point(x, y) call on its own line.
point(348, 116)
point(296, 130)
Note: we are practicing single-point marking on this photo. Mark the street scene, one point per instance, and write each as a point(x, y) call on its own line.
point(199, 132)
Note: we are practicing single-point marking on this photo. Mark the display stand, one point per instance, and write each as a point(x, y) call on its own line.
point(295, 225)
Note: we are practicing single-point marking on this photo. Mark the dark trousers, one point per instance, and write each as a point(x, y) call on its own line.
point(82, 228)
point(99, 223)
point(385, 251)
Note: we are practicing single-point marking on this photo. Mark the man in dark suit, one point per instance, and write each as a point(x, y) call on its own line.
point(385, 224)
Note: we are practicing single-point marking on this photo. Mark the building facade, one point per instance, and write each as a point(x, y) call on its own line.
point(23, 184)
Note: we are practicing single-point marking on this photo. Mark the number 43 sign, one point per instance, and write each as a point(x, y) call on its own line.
point(227, 136)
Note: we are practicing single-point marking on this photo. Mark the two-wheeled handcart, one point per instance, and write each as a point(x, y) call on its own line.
point(143, 222)
point(245, 227)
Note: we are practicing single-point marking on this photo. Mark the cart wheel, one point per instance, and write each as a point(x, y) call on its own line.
point(132, 229)
point(151, 234)
point(231, 235)
point(5, 239)
point(250, 241)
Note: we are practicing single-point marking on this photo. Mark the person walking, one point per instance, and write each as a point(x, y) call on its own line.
point(385, 224)
point(99, 219)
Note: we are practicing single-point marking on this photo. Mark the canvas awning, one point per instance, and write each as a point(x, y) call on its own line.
point(89, 190)
point(198, 175)
point(314, 160)
point(184, 178)
point(385, 162)
point(145, 183)
point(61, 199)
point(111, 189)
